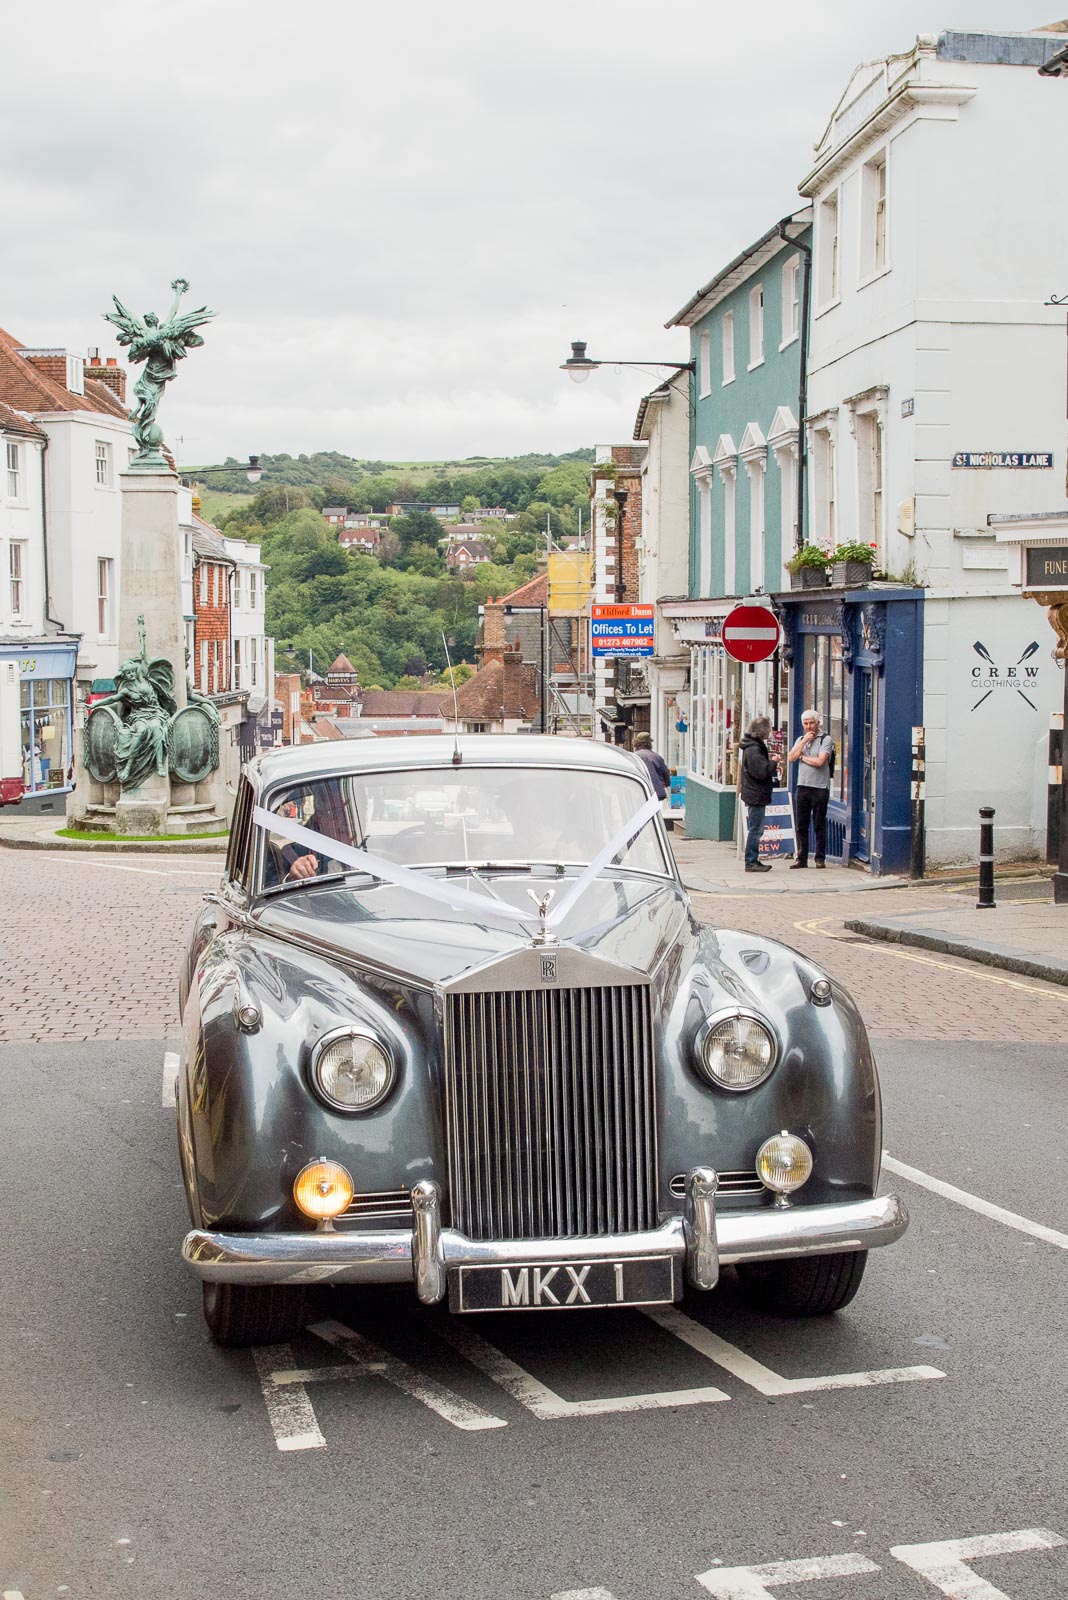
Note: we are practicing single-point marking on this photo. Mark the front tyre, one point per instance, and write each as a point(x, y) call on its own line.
point(810, 1286)
point(243, 1313)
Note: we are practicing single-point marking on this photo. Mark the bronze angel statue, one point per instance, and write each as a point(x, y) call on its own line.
point(160, 345)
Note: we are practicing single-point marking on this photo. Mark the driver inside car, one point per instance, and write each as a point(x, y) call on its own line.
point(320, 808)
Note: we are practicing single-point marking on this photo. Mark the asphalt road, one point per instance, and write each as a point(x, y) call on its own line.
point(138, 1460)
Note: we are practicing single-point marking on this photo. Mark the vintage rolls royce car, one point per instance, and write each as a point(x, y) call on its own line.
point(449, 1021)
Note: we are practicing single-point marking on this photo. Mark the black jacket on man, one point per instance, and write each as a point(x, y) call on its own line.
point(758, 773)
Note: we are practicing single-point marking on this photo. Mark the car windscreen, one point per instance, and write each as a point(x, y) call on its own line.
point(462, 816)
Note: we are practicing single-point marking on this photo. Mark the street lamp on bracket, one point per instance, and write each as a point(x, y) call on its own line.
point(579, 365)
point(253, 472)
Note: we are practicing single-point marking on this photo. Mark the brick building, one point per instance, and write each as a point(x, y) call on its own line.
point(212, 580)
point(466, 554)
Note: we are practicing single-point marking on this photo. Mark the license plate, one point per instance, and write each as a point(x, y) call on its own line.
point(563, 1285)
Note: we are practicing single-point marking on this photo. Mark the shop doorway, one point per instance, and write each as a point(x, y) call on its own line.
point(869, 745)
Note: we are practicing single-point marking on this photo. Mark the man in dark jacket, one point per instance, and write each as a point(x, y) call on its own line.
point(658, 767)
point(759, 775)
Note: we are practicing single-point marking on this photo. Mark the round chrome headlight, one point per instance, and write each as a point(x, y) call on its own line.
point(784, 1163)
point(351, 1070)
point(736, 1050)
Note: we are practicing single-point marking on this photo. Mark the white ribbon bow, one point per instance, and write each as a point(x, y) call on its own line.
point(320, 844)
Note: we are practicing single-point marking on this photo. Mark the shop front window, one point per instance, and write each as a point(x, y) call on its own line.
point(45, 727)
point(715, 715)
point(826, 686)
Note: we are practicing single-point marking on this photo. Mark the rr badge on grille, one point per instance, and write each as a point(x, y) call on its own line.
point(548, 969)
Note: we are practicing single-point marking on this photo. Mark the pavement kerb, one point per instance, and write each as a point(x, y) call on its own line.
point(179, 847)
point(949, 944)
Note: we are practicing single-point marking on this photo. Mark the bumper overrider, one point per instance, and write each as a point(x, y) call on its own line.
point(700, 1242)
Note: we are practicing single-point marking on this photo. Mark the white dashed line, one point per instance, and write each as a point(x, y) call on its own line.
point(984, 1208)
point(289, 1410)
point(170, 1079)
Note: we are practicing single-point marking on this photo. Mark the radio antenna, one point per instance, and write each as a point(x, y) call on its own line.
point(457, 758)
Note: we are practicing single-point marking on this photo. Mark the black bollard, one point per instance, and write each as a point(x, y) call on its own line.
point(985, 901)
point(917, 835)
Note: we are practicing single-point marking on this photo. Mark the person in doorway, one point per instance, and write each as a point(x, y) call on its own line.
point(758, 778)
point(812, 752)
point(659, 774)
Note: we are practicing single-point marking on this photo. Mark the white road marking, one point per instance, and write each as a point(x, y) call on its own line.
point(16, 1594)
point(583, 1594)
point(289, 1410)
point(148, 872)
point(985, 1208)
point(170, 1079)
point(542, 1401)
point(761, 1378)
point(756, 1583)
point(944, 1563)
point(452, 1407)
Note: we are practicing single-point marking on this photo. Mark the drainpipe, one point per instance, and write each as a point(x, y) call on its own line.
point(56, 623)
point(802, 386)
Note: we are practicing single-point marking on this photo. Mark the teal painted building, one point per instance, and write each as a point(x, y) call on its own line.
point(746, 342)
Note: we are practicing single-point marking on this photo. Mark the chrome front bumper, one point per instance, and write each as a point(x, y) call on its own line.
point(702, 1240)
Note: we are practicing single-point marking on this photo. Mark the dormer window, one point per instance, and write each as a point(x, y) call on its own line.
point(75, 375)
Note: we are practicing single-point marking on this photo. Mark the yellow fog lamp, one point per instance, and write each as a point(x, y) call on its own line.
point(323, 1189)
point(784, 1163)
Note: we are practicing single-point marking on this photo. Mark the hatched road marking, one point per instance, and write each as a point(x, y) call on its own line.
point(944, 1564)
point(452, 1407)
point(761, 1378)
point(985, 1208)
point(289, 1410)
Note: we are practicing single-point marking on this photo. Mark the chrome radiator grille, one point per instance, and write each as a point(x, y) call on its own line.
point(550, 1112)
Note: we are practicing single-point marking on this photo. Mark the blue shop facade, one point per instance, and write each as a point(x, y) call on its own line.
point(37, 732)
point(856, 657)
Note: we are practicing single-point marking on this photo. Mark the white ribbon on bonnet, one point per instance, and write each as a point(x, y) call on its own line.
point(320, 844)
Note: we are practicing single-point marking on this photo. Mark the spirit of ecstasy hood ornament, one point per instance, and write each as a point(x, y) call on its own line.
point(543, 901)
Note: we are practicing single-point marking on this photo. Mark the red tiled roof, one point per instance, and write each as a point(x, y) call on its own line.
point(342, 664)
point(12, 422)
point(535, 593)
point(499, 689)
point(28, 389)
point(404, 702)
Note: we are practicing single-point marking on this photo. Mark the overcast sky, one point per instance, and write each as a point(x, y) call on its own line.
point(404, 210)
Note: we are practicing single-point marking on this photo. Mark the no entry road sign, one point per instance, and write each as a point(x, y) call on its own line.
point(750, 633)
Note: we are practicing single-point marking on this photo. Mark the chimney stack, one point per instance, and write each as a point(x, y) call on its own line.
point(493, 645)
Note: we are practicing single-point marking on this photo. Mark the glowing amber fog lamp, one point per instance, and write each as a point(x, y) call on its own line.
point(323, 1189)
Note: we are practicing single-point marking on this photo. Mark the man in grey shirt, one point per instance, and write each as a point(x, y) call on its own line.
point(812, 752)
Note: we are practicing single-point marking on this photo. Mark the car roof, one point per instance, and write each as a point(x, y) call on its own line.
point(429, 752)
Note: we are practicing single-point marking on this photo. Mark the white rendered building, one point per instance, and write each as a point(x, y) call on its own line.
point(663, 423)
point(936, 393)
point(252, 654)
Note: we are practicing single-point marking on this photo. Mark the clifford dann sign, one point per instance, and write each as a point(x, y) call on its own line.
point(1003, 458)
point(1047, 566)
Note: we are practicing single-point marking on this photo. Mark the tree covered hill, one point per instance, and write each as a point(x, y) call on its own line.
point(372, 485)
point(389, 613)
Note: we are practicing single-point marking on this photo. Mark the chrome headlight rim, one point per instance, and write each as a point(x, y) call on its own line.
point(730, 1014)
point(351, 1031)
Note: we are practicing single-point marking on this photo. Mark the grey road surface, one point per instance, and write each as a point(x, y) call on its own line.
point(137, 1460)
